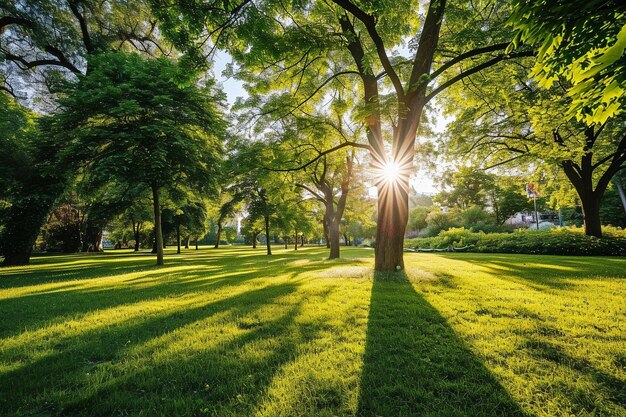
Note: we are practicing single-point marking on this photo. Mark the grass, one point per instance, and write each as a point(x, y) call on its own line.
point(232, 332)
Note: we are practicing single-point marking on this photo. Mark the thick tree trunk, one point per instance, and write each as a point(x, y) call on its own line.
point(158, 231)
point(187, 242)
point(178, 238)
point(196, 243)
point(393, 209)
point(267, 235)
point(218, 237)
point(591, 213)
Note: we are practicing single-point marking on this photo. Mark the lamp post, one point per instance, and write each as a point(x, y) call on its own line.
point(531, 192)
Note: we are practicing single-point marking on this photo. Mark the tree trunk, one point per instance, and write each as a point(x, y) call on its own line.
point(219, 236)
point(154, 243)
point(177, 238)
point(187, 242)
point(591, 213)
point(23, 223)
point(255, 235)
point(295, 245)
point(393, 209)
point(333, 232)
point(136, 238)
point(196, 243)
point(326, 235)
point(267, 235)
point(286, 241)
point(302, 240)
point(158, 231)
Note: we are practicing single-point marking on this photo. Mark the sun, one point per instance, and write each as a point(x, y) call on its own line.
point(390, 172)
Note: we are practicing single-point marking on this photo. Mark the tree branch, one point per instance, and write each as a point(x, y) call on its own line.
point(321, 154)
point(370, 24)
point(474, 70)
point(468, 54)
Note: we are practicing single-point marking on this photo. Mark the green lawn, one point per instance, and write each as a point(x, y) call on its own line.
point(233, 332)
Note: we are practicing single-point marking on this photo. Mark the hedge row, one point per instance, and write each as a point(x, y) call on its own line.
point(559, 241)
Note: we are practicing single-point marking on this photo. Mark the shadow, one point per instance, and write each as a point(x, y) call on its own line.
point(65, 296)
point(584, 401)
point(544, 271)
point(132, 359)
point(415, 365)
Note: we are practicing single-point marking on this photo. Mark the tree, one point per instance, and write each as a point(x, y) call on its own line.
point(290, 47)
point(517, 123)
point(466, 187)
point(32, 179)
point(228, 208)
point(37, 37)
point(582, 42)
point(417, 218)
point(41, 42)
point(124, 131)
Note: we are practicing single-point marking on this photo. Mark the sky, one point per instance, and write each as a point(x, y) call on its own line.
point(421, 181)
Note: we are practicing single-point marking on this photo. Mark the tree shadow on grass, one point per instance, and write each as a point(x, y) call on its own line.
point(71, 298)
point(415, 365)
point(545, 271)
point(137, 383)
point(583, 402)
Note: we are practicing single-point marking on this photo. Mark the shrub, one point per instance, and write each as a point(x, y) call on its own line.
point(558, 241)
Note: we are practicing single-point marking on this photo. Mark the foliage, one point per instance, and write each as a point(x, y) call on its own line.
point(417, 218)
point(62, 230)
point(557, 241)
point(582, 42)
point(44, 40)
point(17, 137)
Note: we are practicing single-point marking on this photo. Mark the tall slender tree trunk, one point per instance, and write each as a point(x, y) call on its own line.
point(177, 238)
point(295, 239)
point(333, 234)
point(158, 231)
point(267, 235)
point(136, 230)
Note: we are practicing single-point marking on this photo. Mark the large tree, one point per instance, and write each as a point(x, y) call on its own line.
point(143, 121)
point(290, 47)
point(504, 120)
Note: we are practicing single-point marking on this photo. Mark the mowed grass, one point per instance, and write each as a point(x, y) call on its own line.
point(232, 332)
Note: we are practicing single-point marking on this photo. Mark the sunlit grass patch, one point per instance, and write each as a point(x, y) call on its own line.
point(232, 332)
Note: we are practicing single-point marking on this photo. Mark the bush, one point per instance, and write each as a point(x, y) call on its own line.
point(558, 241)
